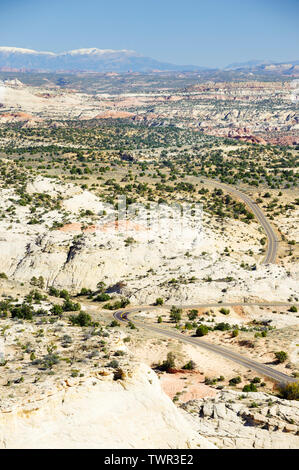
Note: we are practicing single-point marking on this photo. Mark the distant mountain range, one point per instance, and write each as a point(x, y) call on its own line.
point(286, 68)
point(108, 60)
point(90, 60)
point(248, 64)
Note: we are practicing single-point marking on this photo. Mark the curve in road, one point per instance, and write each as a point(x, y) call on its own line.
point(270, 257)
point(123, 316)
point(271, 251)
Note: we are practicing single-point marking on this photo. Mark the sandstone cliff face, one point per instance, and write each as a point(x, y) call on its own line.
point(101, 413)
point(70, 258)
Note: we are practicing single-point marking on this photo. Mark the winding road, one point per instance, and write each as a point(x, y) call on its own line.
point(272, 239)
point(123, 316)
point(270, 257)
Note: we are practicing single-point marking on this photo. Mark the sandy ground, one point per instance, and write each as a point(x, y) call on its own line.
point(189, 386)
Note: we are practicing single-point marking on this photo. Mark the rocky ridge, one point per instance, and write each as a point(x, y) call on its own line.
point(100, 412)
point(255, 420)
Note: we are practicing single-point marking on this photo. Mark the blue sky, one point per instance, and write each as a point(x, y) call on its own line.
point(211, 33)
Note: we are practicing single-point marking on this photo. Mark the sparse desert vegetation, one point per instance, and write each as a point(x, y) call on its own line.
point(70, 262)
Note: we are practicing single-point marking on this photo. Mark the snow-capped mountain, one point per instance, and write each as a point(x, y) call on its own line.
point(92, 60)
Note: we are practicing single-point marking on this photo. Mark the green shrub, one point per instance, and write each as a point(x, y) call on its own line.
point(249, 388)
point(222, 326)
point(54, 292)
point(202, 330)
point(57, 310)
point(69, 306)
point(64, 294)
point(254, 405)
point(103, 297)
point(118, 304)
point(38, 282)
point(235, 380)
point(36, 296)
point(120, 352)
point(85, 291)
point(192, 314)
point(50, 360)
point(255, 380)
point(290, 391)
point(209, 381)
point(169, 363)
point(82, 319)
point(224, 311)
point(281, 356)
point(23, 311)
point(189, 366)
point(175, 314)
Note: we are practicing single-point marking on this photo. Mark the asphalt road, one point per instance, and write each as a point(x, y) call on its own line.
point(272, 244)
point(270, 257)
point(123, 316)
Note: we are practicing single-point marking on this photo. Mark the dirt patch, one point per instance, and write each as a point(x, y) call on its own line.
point(239, 311)
point(110, 226)
point(186, 385)
point(114, 115)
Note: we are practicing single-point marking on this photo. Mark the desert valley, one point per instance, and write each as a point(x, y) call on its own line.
point(181, 333)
